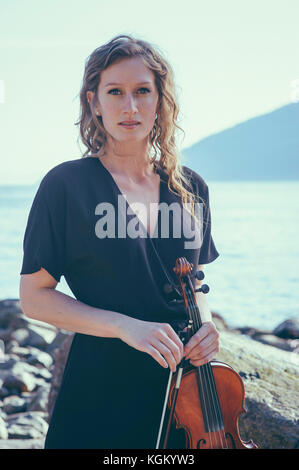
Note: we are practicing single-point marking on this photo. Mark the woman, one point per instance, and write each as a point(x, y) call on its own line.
point(126, 326)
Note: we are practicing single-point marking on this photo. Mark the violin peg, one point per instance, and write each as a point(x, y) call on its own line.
point(204, 289)
point(200, 275)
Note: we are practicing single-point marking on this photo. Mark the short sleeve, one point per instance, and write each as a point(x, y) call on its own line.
point(208, 251)
point(44, 239)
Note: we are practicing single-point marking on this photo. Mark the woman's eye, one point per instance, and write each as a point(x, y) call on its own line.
point(146, 89)
point(116, 89)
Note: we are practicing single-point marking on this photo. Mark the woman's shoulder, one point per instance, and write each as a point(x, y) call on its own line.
point(67, 166)
point(67, 172)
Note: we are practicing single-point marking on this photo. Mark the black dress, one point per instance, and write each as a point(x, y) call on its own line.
point(111, 395)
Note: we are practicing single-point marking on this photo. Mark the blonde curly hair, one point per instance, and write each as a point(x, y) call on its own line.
point(162, 139)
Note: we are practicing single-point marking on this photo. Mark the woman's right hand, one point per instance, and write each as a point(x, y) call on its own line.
point(159, 340)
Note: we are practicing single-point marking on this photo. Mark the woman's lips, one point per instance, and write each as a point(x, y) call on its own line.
point(129, 126)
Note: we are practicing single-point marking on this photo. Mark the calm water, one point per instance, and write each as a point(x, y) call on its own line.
point(255, 226)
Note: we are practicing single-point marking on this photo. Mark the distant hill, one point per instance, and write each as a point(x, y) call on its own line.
point(263, 148)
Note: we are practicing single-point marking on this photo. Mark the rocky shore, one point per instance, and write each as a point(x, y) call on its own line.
point(33, 355)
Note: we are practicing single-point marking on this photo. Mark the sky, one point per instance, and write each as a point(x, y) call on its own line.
point(233, 60)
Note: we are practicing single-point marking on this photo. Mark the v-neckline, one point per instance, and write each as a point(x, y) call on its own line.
point(128, 205)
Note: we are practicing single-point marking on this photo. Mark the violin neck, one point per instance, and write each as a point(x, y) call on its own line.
point(195, 319)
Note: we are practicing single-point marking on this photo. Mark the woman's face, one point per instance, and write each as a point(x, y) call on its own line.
point(133, 96)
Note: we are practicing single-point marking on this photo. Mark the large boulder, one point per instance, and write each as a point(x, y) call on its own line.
point(288, 329)
point(271, 379)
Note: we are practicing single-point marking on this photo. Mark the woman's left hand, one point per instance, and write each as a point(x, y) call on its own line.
point(203, 346)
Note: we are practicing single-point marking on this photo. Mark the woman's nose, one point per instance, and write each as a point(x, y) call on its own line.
point(130, 104)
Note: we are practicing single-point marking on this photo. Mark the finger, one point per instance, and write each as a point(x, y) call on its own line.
point(157, 356)
point(196, 338)
point(177, 340)
point(166, 352)
point(203, 347)
point(175, 344)
point(205, 338)
point(199, 354)
point(204, 360)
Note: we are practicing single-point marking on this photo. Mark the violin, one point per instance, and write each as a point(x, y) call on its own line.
point(204, 401)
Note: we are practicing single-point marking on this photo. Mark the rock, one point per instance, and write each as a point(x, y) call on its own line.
point(14, 404)
point(4, 392)
point(30, 354)
point(38, 357)
point(20, 336)
point(19, 367)
point(40, 401)
point(28, 425)
point(12, 347)
point(3, 429)
point(272, 340)
point(22, 377)
point(61, 355)
point(34, 335)
point(8, 363)
point(41, 337)
point(58, 341)
point(288, 329)
point(22, 443)
point(270, 377)
point(5, 334)
point(23, 382)
point(267, 337)
point(10, 311)
point(249, 331)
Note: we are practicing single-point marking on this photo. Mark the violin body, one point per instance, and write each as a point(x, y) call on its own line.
point(189, 412)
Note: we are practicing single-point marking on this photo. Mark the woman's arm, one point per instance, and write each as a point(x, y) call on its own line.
point(203, 305)
point(40, 301)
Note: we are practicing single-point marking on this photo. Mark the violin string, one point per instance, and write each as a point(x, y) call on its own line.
point(213, 399)
point(214, 396)
point(211, 388)
point(216, 405)
point(203, 390)
point(208, 389)
point(214, 417)
point(218, 408)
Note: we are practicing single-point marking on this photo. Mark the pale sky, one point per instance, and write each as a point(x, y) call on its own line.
point(233, 60)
